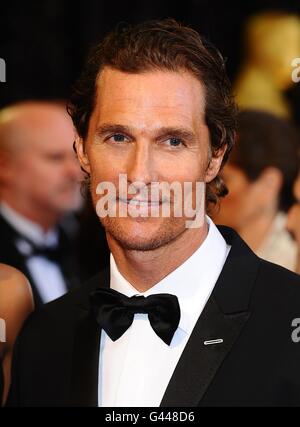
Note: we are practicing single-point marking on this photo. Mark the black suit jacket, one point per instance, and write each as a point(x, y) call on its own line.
point(9, 254)
point(251, 308)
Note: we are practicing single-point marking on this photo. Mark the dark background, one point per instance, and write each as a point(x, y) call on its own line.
point(44, 43)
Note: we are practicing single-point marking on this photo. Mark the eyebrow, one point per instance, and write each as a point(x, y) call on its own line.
point(176, 132)
point(109, 128)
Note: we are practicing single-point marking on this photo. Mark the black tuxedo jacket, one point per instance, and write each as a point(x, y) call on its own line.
point(9, 254)
point(251, 308)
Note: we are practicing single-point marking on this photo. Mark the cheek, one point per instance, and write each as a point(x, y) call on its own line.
point(104, 163)
point(102, 170)
point(45, 177)
point(185, 168)
point(25, 174)
point(44, 174)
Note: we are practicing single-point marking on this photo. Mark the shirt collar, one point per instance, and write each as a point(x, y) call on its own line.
point(27, 228)
point(192, 282)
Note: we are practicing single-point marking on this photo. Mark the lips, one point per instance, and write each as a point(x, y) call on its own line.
point(140, 202)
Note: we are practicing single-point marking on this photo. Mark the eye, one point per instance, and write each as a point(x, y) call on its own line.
point(117, 137)
point(175, 142)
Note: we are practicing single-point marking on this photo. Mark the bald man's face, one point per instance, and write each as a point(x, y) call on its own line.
point(41, 167)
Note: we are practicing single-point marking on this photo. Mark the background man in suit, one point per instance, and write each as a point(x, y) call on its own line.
point(39, 185)
point(184, 316)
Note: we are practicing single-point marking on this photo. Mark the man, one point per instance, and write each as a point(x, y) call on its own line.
point(185, 316)
point(39, 185)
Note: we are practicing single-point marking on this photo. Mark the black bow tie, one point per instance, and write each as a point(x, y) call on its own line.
point(115, 312)
point(53, 254)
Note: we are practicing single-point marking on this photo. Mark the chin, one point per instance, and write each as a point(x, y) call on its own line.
point(142, 245)
point(142, 235)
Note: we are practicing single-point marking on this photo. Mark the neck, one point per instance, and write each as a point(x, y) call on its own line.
point(143, 269)
point(45, 218)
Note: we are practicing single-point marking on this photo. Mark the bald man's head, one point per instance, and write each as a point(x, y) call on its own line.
point(33, 122)
point(38, 167)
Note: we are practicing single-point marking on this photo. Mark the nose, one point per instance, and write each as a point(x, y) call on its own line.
point(141, 164)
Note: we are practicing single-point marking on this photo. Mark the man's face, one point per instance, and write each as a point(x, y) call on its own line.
point(151, 127)
point(42, 167)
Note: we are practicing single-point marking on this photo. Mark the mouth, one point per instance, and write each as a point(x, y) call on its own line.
point(140, 202)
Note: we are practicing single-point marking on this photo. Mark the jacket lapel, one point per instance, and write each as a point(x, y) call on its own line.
point(200, 362)
point(223, 317)
point(85, 355)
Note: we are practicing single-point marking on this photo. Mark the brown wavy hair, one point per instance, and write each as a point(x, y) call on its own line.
point(163, 45)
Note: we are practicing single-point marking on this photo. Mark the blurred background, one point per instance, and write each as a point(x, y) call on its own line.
point(45, 43)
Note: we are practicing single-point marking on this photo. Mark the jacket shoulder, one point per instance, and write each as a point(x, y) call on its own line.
point(275, 286)
point(278, 275)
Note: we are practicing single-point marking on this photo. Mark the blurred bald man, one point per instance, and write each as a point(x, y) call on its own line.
point(39, 186)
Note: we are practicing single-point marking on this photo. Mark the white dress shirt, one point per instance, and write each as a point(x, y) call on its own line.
point(135, 369)
point(46, 274)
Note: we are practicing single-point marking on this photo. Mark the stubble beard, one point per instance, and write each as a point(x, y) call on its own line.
point(167, 231)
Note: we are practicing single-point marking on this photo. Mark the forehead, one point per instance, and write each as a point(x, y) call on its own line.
point(151, 95)
point(43, 128)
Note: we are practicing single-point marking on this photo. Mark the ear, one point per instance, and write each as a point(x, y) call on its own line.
point(214, 165)
point(81, 154)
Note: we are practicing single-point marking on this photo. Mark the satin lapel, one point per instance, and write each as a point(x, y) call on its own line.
point(199, 362)
point(223, 317)
point(84, 373)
